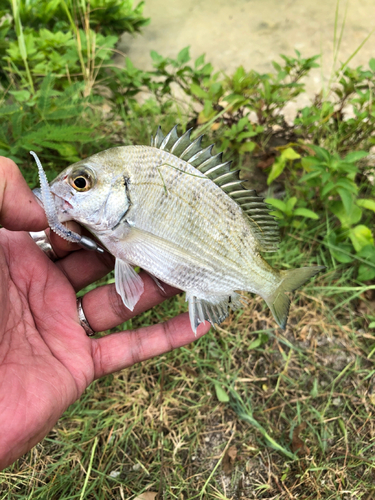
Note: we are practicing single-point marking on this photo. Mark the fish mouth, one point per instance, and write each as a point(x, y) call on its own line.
point(64, 200)
point(38, 195)
point(62, 205)
point(67, 203)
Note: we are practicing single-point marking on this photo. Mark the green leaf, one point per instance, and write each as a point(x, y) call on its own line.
point(277, 214)
point(196, 90)
point(277, 169)
point(366, 273)
point(221, 395)
point(347, 184)
point(372, 64)
point(315, 391)
point(46, 90)
point(247, 147)
point(310, 175)
point(369, 204)
point(290, 154)
point(368, 253)
point(9, 110)
point(309, 162)
point(346, 219)
point(157, 58)
point(262, 339)
point(199, 61)
point(280, 205)
point(305, 212)
point(67, 151)
point(184, 56)
point(327, 188)
point(346, 198)
point(20, 95)
point(372, 324)
point(355, 156)
point(361, 236)
point(290, 203)
point(321, 153)
point(341, 253)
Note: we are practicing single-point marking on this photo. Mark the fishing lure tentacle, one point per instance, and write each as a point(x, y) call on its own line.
point(52, 217)
point(49, 206)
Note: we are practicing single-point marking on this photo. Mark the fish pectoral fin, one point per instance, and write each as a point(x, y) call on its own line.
point(129, 284)
point(162, 255)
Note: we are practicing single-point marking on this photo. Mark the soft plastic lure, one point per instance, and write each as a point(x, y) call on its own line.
point(47, 200)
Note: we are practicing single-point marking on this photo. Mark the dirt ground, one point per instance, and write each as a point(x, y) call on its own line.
point(252, 33)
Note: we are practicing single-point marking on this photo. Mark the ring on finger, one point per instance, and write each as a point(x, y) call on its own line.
point(83, 320)
point(43, 242)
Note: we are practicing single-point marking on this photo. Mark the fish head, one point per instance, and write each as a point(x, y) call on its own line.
point(92, 192)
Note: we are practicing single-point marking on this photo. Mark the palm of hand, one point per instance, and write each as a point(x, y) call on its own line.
point(45, 356)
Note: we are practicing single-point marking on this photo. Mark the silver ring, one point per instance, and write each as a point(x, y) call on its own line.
point(42, 240)
point(83, 320)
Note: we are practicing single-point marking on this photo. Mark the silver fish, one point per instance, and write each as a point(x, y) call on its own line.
point(182, 215)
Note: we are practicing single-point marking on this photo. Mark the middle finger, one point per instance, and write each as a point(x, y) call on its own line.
point(83, 267)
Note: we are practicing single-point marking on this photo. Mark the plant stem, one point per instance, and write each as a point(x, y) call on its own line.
point(21, 41)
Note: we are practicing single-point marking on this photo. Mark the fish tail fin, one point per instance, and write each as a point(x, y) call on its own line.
point(278, 302)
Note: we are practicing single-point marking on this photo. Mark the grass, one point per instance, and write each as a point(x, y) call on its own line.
point(247, 412)
point(298, 412)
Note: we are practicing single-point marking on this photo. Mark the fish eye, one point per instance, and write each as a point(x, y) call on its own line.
point(81, 180)
point(80, 183)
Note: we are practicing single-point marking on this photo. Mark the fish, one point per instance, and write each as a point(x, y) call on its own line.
point(180, 213)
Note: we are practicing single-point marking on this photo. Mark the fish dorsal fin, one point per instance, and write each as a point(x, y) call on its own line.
point(264, 225)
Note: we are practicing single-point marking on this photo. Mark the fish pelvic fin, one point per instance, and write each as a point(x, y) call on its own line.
point(278, 302)
point(129, 284)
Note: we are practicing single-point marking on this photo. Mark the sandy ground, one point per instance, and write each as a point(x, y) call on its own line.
point(252, 33)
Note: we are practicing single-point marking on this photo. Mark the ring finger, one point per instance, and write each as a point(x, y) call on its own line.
point(104, 309)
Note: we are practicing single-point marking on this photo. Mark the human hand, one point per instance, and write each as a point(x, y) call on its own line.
point(46, 358)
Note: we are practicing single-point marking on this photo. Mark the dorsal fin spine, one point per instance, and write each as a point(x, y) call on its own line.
point(211, 163)
point(201, 156)
point(193, 148)
point(182, 143)
point(257, 212)
point(169, 139)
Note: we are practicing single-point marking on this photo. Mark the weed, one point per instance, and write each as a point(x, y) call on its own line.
point(296, 406)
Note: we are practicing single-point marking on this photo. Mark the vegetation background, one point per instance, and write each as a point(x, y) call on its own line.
point(248, 411)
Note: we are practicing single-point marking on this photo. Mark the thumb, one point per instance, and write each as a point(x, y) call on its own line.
point(19, 210)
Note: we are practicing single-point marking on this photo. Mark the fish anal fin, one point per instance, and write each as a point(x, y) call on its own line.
point(129, 284)
point(214, 311)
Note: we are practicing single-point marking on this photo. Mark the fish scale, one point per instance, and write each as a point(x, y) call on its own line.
point(192, 225)
point(211, 204)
